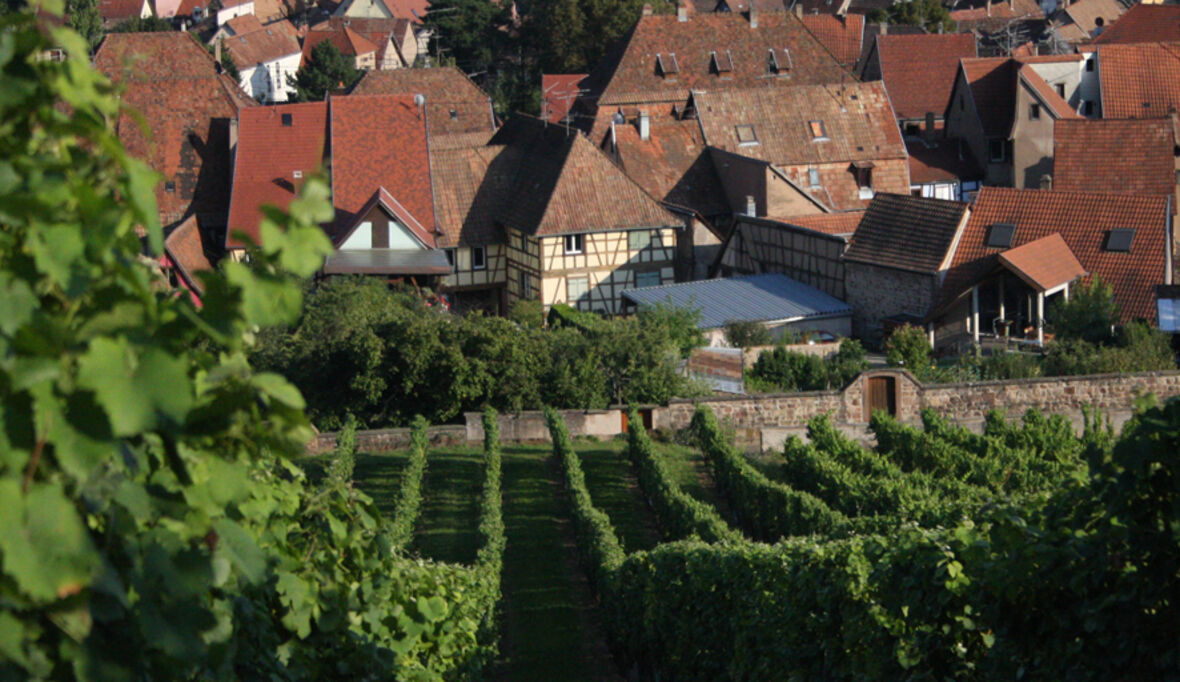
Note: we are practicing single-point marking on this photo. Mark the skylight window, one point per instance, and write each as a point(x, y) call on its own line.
point(287, 120)
point(780, 62)
point(1000, 235)
point(1120, 240)
point(723, 62)
point(818, 132)
point(667, 64)
point(745, 135)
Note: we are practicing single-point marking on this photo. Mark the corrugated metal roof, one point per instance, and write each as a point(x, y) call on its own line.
point(755, 298)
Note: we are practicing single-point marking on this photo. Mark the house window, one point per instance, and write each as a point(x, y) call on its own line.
point(639, 239)
point(723, 63)
point(479, 259)
point(813, 177)
point(864, 178)
point(1090, 64)
point(745, 135)
point(1000, 235)
point(995, 150)
point(818, 132)
point(1120, 240)
point(1034, 112)
point(524, 284)
point(576, 288)
point(780, 62)
point(1060, 90)
point(450, 258)
point(1087, 108)
point(647, 279)
point(573, 243)
point(666, 64)
point(169, 186)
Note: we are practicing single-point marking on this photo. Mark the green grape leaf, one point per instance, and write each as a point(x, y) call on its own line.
point(279, 388)
point(241, 550)
point(17, 303)
point(46, 547)
point(132, 390)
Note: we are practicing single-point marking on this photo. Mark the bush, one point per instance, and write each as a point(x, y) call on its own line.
point(909, 348)
point(409, 496)
point(527, 313)
point(790, 371)
point(1089, 315)
point(746, 334)
point(848, 362)
point(1010, 366)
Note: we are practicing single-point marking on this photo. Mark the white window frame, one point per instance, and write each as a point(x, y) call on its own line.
point(482, 263)
point(574, 244)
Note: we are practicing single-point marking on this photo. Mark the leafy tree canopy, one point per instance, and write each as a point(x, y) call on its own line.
point(140, 25)
point(326, 70)
point(1090, 313)
point(929, 14)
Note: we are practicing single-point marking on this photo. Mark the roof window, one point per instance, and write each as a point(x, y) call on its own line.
point(999, 235)
point(723, 62)
point(287, 120)
point(818, 132)
point(667, 65)
point(1120, 240)
point(745, 135)
point(780, 62)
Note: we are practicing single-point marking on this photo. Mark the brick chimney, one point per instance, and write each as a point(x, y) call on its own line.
point(883, 28)
point(643, 122)
point(217, 53)
point(682, 11)
point(1046, 181)
point(753, 15)
point(798, 9)
point(647, 11)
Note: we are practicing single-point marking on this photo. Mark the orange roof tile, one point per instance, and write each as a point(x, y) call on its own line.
point(171, 80)
point(841, 35)
point(919, 70)
point(1134, 156)
point(995, 13)
point(1044, 263)
point(243, 24)
point(379, 141)
point(1085, 14)
point(1144, 23)
point(454, 104)
point(628, 74)
point(346, 40)
point(271, 42)
point(906, 232)
point(471, 185)
point(273, 159)
point(1056, 105)
point(945, 161)
point(673, 165)
point(185, 249)
point(1084, 221)
point(113, 11)
point(838, 223)
point(558, 93)
point(1139, 81)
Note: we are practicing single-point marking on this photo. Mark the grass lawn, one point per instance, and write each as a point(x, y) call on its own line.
point(380, 477)
point(548, 628)
point(615, 490)
point(448, 528)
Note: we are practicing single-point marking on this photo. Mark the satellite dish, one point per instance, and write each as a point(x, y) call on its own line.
point(420, 100)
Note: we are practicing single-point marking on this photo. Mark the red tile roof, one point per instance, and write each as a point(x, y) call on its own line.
point(1133, 156)
point(187, 253)
point(992, 83)
point(269, 156)
point(1044, 263)
point(944, 161)
point(558, 92)
point(673, 165)
point(271, 42)
point(243, 24)
point(346, 40)
point(841, 35)
point(379, 141)
point(1084, 221)
point(906, 232)
point(1139, 81)
point(856, 117)
point(628, 74)
point(1084, 15)
point(995, 13)
point(919, 70)
point(393, 207)
point(171, 80)
point(838, 223)
point(113, 11)
point(1144, 24)
point(454, 104)
point(471, 185)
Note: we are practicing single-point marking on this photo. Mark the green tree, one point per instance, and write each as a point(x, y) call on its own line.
point(929, 14)
point(141, 25)
point(908, 347)
point(468, 31)
point(746, 334)
point(82, 16)
point(1090, 314)
point(326, 70)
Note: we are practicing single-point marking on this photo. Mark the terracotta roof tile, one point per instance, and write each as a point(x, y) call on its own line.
point(453, 103)
point(171, 80)
point(946, 160)
point(346, 40)
point(1134, 156)
point(1057, 106)
point(113, 11)
point(269, 156)
point(995, 12)
point(471, 185)
point(672, 165)
point(567, 185)
point(379, 141)
point(856, 119)
point(872, 30)
point(1044, 263)
point(187, 252)
point(993, 86)
point(1139, 81)
point(1144, 23)
point(629, 74)
point(1084, 221)
point(919, 70)
point(1085, 13)
point(906, 232)
point(838, 223)
point(271, 42)
point(275, 10)
point(841, 35)
point(243, 24)
point(558, 93)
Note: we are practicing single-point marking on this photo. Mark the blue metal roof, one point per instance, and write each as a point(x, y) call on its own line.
point(751, 298)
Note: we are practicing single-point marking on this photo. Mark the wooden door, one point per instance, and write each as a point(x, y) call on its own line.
point(623, 414)
point(882, 396)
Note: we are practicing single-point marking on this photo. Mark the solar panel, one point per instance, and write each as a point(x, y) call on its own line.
point(1120, 240)
point(1000, 235)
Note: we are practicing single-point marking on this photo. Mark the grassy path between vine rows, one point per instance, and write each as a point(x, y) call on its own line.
point(379, 477)
point(690, 470)
point(615, 490)
point(549, 627)
point(448, 529)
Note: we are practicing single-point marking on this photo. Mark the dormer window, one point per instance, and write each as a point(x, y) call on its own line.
point(818, 132)
point(864, 178)
point(745, 135)
point(1120, 240)
point(723, 63)
point(780, 62)
point(1000, 235)
point(813, 177)
point(666, 64)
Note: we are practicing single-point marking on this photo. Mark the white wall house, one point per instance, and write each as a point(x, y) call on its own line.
point(232, 9)
point(265, 57)
point(267, 82)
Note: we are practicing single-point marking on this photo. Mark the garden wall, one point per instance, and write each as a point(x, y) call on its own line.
point(765, 420)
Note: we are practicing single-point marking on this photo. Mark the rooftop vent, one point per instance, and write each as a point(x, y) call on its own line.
point(1120, 240)
point(745, 135)
point(999, 235)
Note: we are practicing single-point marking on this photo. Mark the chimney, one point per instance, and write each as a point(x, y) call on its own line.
point(217, 53)
point(989, 7)
point(751, 206)
point(798, 10)
point(682, 11)
point(753, 15)
point(647, 9)
point(884, 28)
point(614, 141)
point(1046, 181)
point(929, 131)
point(644, 125)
